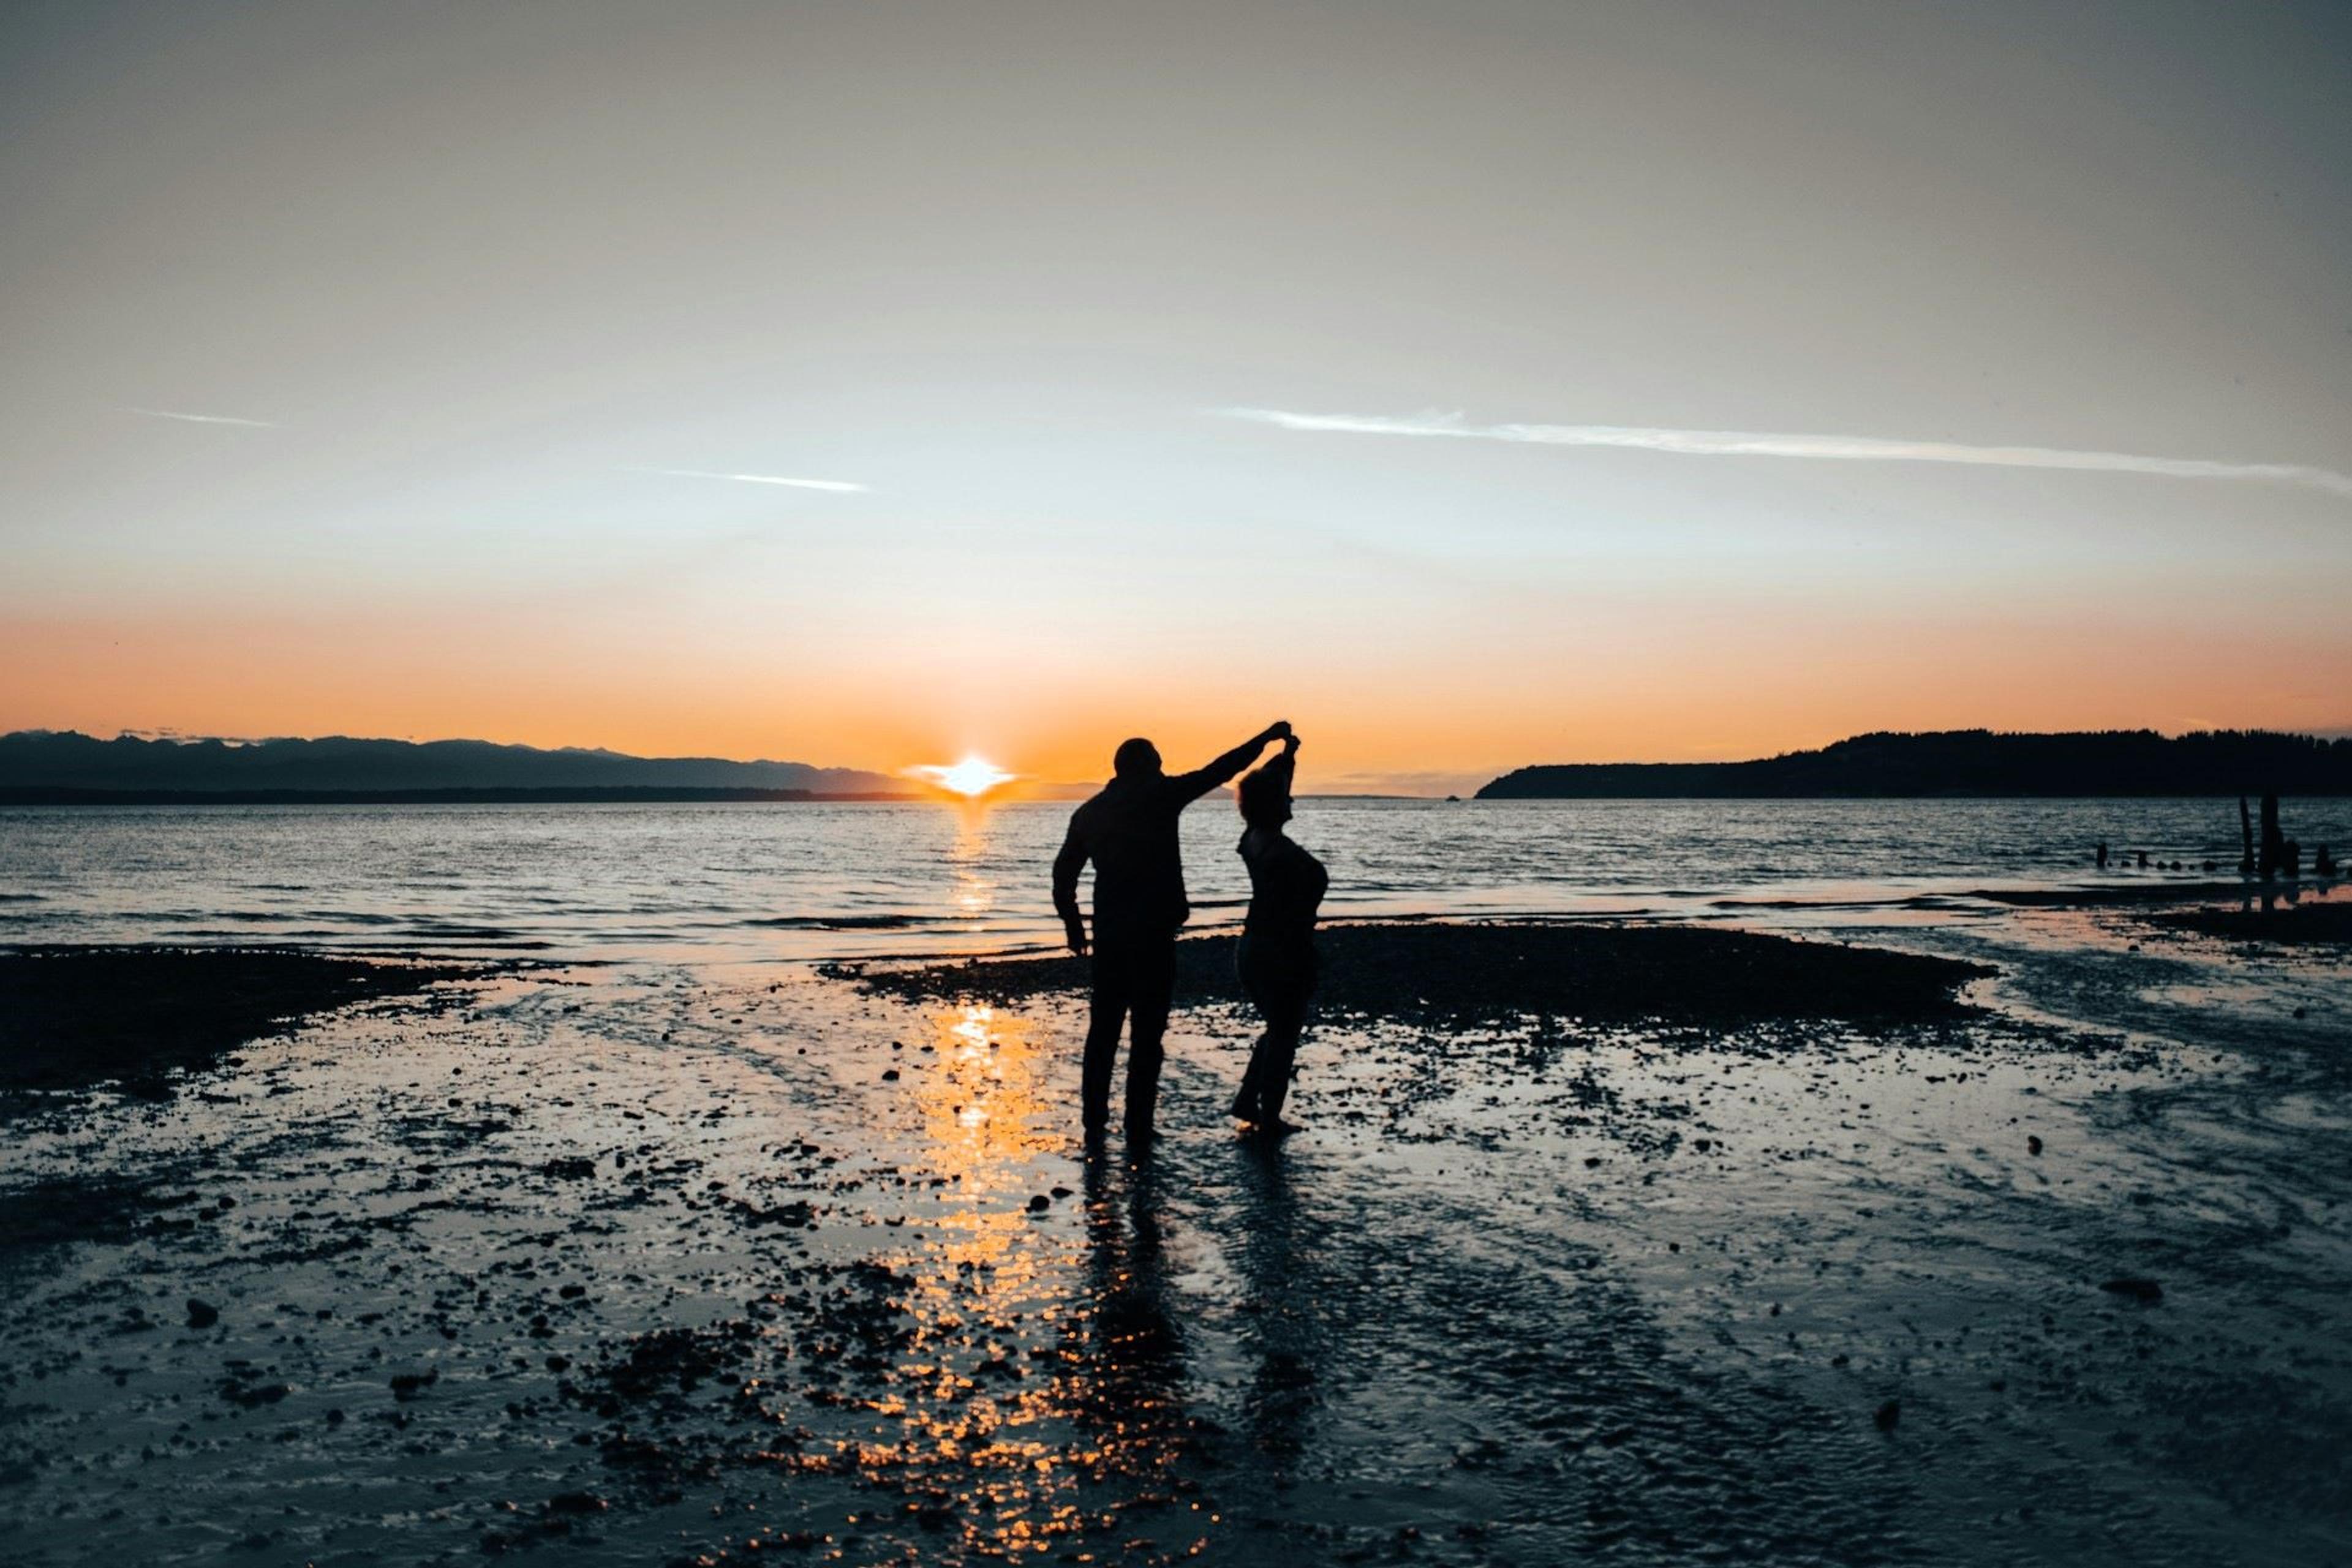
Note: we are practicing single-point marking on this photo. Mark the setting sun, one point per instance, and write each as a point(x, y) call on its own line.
point(971, 778)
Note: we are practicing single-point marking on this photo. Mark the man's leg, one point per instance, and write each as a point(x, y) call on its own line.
point(1151, 988)
point(1108, 1010)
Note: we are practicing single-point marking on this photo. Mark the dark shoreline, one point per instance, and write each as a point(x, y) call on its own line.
point(620, 795)
point(1440, 971)
point(2300, 925)
point(73, 1016)
point(2240, 890)
point(1948, 763)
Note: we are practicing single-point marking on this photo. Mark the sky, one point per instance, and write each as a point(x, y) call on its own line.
point(1472, 384)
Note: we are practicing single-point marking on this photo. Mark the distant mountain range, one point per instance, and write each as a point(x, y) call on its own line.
point(1972, 763)
point(63, 766)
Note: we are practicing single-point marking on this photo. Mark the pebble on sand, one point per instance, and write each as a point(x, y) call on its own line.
point(2143, 1291)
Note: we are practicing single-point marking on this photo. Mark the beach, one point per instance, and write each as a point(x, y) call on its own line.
point(644, 647)
point(2022, 1241)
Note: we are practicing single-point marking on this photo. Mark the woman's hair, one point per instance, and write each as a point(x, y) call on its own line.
point(1265, 795)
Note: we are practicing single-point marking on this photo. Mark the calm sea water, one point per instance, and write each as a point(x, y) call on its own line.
point(747, 881)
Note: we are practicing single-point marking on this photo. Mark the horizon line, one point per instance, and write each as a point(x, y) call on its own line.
point(1375, 783)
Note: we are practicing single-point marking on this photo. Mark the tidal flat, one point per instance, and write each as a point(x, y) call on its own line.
point(727, 1263)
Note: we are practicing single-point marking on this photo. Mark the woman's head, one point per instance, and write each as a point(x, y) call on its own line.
point(1266, 796)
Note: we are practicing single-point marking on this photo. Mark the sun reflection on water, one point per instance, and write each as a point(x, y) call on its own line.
point(1034, 1403)
point(974, 893)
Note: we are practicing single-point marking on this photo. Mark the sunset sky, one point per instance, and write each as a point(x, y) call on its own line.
point(1473, 385)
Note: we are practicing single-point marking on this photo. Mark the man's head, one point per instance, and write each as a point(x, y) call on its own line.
point(1136, 758)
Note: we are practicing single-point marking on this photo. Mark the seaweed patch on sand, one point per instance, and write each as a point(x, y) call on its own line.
point(71, 1016)
point(1436, 971)
point(2109, 896)
point(2299, 925)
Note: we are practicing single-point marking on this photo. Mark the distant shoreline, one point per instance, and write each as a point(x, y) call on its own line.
point(1632, 796)
point(22, 795)
point(1972, 764)
point(620, 795)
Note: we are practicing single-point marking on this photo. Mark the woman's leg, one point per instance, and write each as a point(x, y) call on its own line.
point(1245, 1103)
point(1278, 1052)
point(1252, 972)
point(1281, 997)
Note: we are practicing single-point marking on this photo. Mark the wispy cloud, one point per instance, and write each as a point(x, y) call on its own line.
point(838, 485)
point(1763, 444)
point(204, 418)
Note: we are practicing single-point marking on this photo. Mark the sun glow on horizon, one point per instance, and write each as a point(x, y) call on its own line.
point(972, 777)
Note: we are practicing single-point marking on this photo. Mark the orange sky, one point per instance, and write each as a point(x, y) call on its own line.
point(1370, 723)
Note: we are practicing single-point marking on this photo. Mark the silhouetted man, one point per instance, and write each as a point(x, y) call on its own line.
point(1128, 831)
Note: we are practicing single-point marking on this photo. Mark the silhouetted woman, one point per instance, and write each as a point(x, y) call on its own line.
point(1278, 953)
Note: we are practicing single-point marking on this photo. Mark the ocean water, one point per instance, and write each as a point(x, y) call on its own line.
point(746, 882)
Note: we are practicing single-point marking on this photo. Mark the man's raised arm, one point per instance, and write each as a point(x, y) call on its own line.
point(1191, 786)
point(1066, 867)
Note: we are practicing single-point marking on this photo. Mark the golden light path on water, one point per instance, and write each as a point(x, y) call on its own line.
point(1035, 1404)
point(975, 894)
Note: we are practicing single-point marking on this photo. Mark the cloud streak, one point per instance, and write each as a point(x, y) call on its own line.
point(1835, 448)
point(840, 486)
point(204, 418)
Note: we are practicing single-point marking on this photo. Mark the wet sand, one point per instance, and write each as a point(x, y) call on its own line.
point(672, 1264)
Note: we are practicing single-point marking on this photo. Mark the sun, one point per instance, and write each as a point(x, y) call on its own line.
point(971, 778)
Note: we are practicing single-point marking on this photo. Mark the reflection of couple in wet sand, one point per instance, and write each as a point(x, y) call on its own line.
point(1128, 831)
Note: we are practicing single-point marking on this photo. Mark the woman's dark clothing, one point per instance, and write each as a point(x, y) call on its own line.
point(1278, 963)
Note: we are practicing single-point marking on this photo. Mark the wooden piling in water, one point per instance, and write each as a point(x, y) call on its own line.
point(2268, 865)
